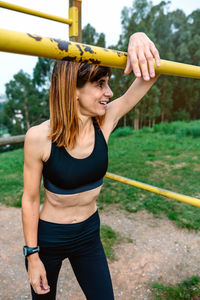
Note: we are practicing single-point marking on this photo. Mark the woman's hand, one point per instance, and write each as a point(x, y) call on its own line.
point(37, 276)
point(141, 52)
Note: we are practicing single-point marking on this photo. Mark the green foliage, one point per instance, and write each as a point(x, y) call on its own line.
point(177, 38)
point(91, 37)
point(188, 289)
point(41, 72)
point(123, 131)
point(179, 128)
point(27, 103)
point(19, 111)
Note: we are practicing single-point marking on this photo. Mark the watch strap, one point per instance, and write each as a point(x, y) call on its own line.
point(28, 250)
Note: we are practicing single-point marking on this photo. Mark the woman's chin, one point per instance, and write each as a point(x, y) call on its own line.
point(101, 114)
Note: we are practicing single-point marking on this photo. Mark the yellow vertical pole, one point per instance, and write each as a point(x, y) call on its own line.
point(75, 30)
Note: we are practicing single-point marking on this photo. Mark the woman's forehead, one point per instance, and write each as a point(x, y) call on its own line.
point(104, 78)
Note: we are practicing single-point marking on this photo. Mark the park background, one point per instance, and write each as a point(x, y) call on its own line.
point(158, 142)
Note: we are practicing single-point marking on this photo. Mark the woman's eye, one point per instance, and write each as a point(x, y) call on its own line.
point(100, 84)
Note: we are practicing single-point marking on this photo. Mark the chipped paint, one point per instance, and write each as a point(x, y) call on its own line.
point(118, 53)
point(62, 45)
point(95, 61)
point(79, 48)
point(89, 49)
point(70, 58)
point(81, 60)
point(36, 37)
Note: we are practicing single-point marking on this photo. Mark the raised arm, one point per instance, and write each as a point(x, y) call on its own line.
point(31, 207)
point(141, 53)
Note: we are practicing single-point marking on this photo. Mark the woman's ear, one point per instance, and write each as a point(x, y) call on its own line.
point(77, 94)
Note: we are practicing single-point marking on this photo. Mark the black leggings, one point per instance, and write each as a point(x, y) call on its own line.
point(81, 244)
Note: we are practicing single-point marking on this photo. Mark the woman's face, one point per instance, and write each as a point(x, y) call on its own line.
point(93, 97)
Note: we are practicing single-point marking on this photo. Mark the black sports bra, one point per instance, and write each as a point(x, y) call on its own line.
point(64, 174)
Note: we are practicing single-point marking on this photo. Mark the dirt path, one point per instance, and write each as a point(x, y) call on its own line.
point(160, 251)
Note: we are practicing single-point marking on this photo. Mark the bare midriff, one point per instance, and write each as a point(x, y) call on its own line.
point(69, 209)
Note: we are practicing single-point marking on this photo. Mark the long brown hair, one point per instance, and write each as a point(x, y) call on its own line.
point(66, 77)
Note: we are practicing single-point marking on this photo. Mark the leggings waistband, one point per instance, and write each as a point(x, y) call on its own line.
point(54, 234)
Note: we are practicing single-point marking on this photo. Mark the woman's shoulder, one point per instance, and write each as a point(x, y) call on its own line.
point(37, 143)
point(39, 132)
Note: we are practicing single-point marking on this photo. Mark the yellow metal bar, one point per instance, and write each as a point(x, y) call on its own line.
point(34, 12)
point(155, 190)
point(75, 30)
point(178, 69)
point(25, 43)
point(73, 15)
point(28, 44)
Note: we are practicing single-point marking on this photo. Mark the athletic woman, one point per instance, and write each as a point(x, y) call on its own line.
point(70, 152)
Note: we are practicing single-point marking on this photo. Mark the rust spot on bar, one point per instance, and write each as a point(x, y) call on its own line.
point(79, 48)
point(89, 61)
point(35, 37)
point(95, 61)
point(62, 45)
point(81, 60)
point(88, 49)
point(69, 58)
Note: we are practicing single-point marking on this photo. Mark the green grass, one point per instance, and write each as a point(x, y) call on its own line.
point(11, 177)
point(179, 128)
point(163, 160)
point(110, 238)
point(187, 290)
point(11, 181)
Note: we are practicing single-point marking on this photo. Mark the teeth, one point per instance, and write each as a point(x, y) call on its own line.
point(103, 102)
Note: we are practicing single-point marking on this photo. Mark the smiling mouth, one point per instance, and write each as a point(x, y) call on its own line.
point(103, 102)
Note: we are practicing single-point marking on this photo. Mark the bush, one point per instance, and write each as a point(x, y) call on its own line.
point(123, 131)
point(179, 128)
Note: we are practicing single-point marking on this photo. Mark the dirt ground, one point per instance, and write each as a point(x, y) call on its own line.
point(159, 252)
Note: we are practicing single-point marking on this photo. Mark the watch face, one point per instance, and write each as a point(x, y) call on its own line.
point(24, 251)
point(28, 251)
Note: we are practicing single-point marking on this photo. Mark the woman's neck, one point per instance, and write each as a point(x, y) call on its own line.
point(85, 124)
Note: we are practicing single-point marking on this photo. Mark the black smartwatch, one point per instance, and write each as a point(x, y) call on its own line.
point(28, 251)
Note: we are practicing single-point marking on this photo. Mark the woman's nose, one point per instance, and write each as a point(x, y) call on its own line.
point(109, 92)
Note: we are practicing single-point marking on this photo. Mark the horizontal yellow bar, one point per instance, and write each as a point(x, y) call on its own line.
point(34, 12)
point(178, 69)
point(155, 190)
point(28, 44)
point(25, 43)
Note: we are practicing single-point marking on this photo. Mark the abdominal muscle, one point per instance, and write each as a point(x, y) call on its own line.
point(68, 209)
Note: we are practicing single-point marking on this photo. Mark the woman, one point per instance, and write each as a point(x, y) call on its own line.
point(70, 151)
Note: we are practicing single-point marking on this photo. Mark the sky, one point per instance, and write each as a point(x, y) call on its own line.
point(103, 15)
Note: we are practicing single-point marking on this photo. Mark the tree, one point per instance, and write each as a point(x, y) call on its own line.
point(23, 108)
point(177, 38)
point(41, 81)
point(91, 37)
point(41, 72)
